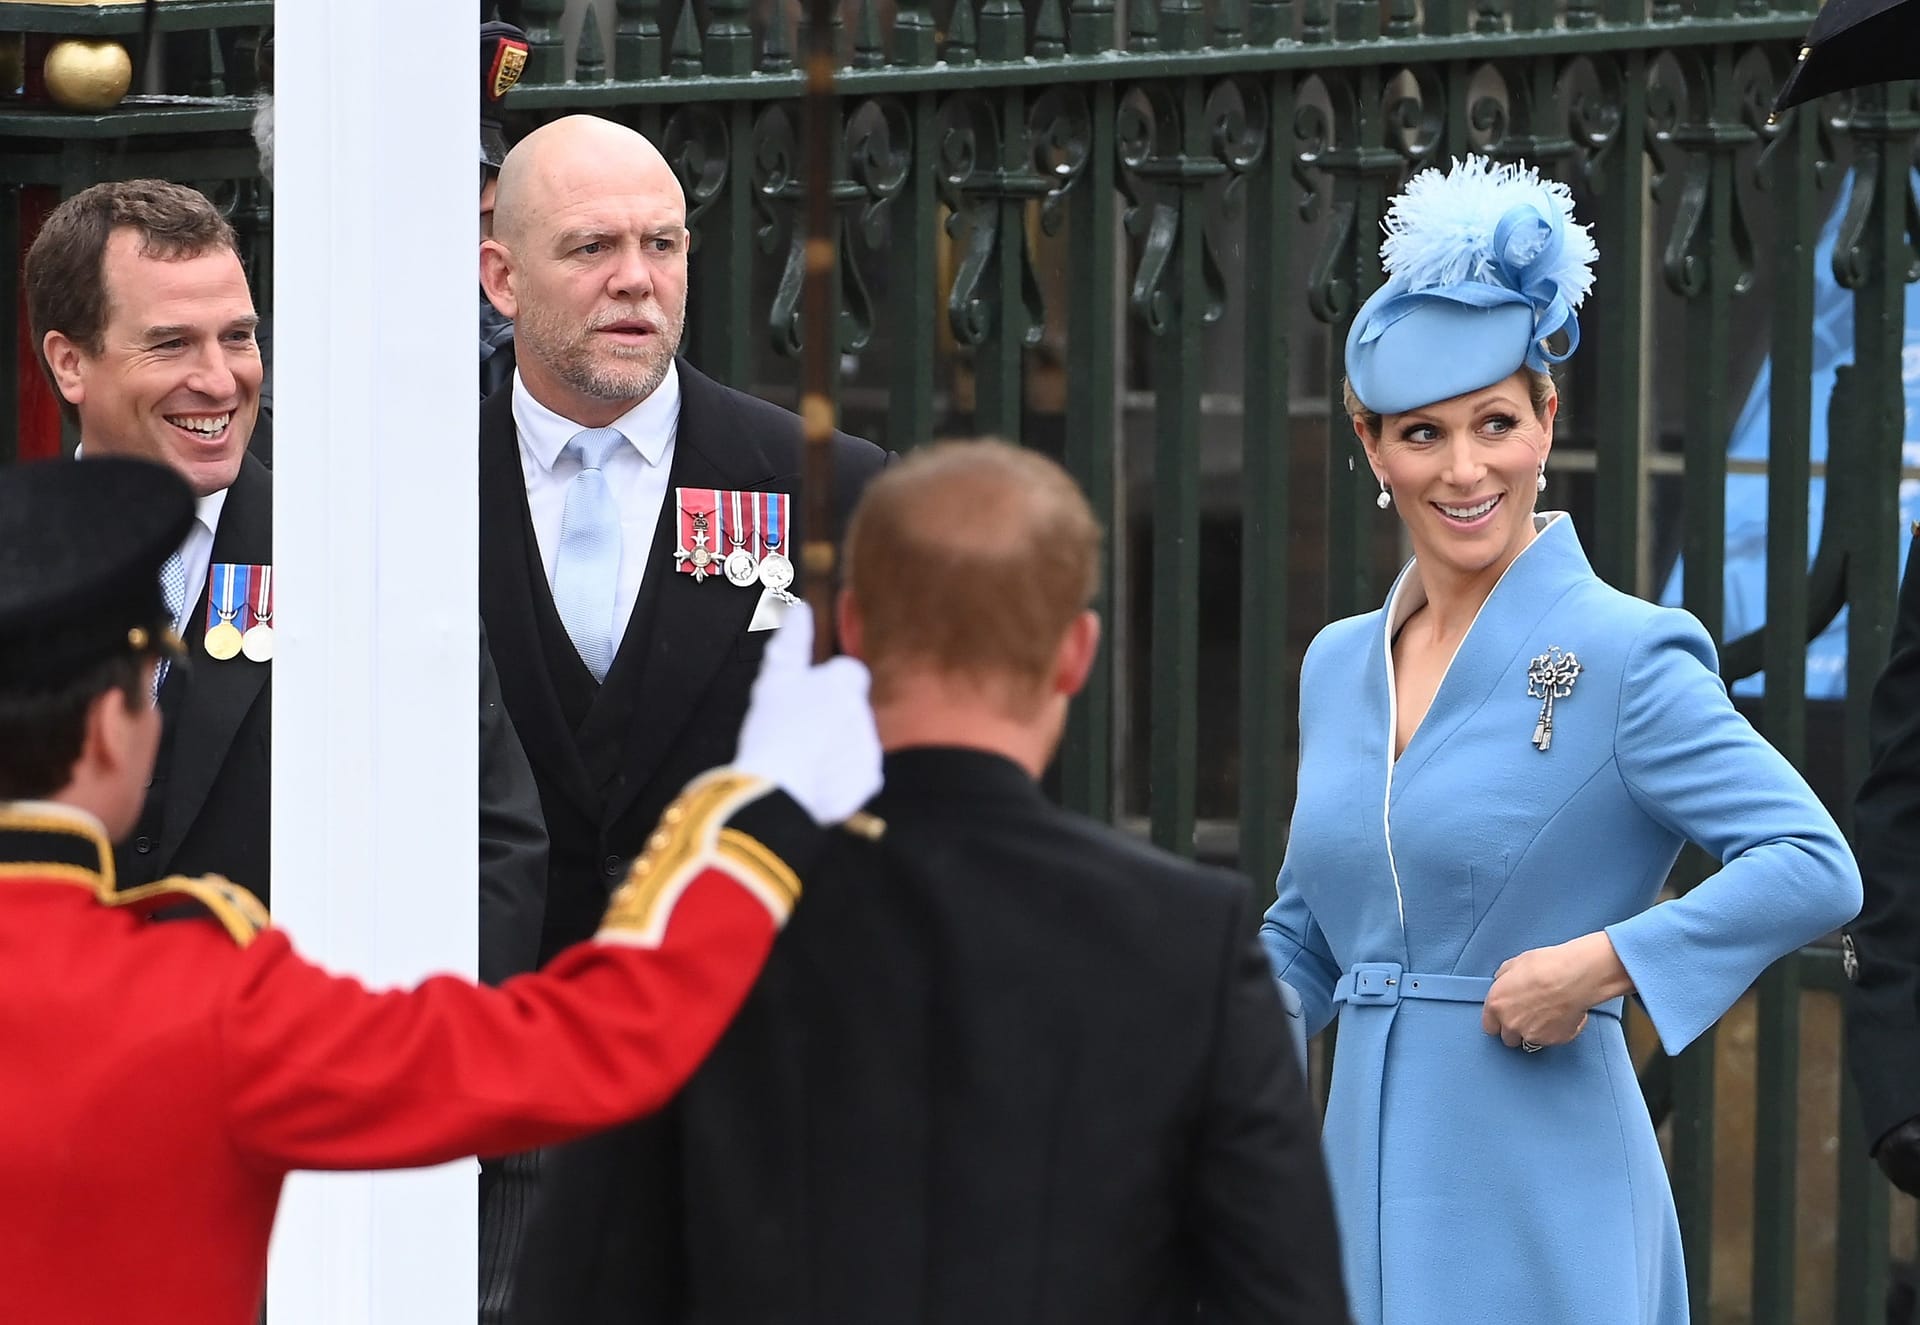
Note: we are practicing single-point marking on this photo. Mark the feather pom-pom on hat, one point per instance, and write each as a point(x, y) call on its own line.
point(1485, 264)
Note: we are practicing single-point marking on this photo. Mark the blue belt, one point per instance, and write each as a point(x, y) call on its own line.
point(1372, 993)
point(1383, 984)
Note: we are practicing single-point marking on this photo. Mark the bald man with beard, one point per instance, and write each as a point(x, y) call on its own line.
point(624, 673)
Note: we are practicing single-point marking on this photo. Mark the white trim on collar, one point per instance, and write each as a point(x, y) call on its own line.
point(1409, 595)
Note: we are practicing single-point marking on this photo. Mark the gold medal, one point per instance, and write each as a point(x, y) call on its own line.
point(223, 641)
point(223, 637)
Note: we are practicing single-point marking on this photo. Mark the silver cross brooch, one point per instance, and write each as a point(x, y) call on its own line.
point(1550, 677)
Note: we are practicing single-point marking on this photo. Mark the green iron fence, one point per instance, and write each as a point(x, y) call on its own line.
point(1134, 236)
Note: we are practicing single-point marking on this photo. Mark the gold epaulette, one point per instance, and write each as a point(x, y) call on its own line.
point(693, 836)
point(237, 910)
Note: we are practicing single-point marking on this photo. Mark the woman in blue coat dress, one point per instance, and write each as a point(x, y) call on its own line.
point(1497, 771)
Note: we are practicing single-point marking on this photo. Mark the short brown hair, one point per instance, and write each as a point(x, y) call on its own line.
point(1540, 389)
point(972, 560)
point(66, 267)
point(42, 729)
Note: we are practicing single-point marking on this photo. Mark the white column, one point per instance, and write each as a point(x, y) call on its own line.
point(375, 692)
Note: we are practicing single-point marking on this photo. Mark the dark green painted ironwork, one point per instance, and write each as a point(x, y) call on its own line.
point(1706, 267)
point(1086, 756)
point(1616, 125)
point(1872, 257)
point(1165, 145)
point(1266, 692)
point(113, 19)
point(1789, 176)
point(1235, 157)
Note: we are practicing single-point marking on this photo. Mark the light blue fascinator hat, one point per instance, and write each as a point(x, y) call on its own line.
point(1484, 264)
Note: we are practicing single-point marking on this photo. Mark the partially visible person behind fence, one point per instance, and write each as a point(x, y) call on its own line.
point(503, 58)
point(1011, 1065)
point(1881, 950)
point(1497, 771)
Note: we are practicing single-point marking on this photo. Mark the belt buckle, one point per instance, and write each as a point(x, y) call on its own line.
point(1376, 983)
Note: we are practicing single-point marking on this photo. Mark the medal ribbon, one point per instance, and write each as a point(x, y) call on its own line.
point(262, 602)
point(773, 519)
point(222, 601)
point(735, 533)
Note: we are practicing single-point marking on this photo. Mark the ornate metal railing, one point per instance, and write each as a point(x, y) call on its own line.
point(1134, 235)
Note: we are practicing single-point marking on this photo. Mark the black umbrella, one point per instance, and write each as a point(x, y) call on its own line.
point(1852, 43)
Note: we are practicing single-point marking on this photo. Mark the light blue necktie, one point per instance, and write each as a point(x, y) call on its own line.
point(173, 591)
point(586, 570)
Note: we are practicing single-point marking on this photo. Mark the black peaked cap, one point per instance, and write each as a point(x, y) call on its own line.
point(81, 547)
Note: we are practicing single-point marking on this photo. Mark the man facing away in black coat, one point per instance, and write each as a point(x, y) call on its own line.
point(1007, 1065)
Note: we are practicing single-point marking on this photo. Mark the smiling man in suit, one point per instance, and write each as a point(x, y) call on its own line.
point(145, 324)
point(625, 669)
point(141, 311)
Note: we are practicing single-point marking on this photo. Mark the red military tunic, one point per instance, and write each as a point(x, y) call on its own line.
point(158, 1079)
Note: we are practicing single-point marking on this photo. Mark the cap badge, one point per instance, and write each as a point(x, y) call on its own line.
point(508, 64)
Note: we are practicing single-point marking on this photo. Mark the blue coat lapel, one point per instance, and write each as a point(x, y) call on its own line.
point(1544, 571)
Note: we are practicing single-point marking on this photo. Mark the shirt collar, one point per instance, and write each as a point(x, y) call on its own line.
point(650, 425)
point(207, 509)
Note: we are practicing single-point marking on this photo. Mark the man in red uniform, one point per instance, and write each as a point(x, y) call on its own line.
point(173, 1072)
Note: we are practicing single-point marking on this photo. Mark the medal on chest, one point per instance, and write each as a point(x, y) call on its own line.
point(696, 554)
point(776, 571)
point(742, 565)
point(257, 643)
point(226, 593)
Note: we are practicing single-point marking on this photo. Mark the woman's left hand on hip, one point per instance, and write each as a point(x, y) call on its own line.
point(1540, 998)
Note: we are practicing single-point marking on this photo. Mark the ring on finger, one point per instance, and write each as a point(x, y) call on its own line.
point(1530, 1047)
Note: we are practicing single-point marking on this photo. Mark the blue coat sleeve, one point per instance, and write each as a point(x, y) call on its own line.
point(1302, 961)
point(1696, 767)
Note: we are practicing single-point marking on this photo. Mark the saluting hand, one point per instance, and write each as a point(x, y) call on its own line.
point(808, 728)
point(1541, 997)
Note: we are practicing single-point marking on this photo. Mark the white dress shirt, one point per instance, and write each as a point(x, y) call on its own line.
point(196, 550)
point(636, 476)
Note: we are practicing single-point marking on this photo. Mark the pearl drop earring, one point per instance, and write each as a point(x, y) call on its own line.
point(1540, 480)
point(1385, 499)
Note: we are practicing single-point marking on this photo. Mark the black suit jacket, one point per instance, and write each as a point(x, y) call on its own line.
point(609, 757)
point(1883, 1004)
point(208, 807)
point(1004, 1067)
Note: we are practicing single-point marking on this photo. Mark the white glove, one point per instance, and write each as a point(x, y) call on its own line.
point(808, 729)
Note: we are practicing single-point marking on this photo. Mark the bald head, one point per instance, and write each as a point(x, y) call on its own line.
point(971, 560)
point(589, 258)
point(581, 156)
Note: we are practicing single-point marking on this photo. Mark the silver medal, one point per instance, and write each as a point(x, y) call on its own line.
point(741, 566)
